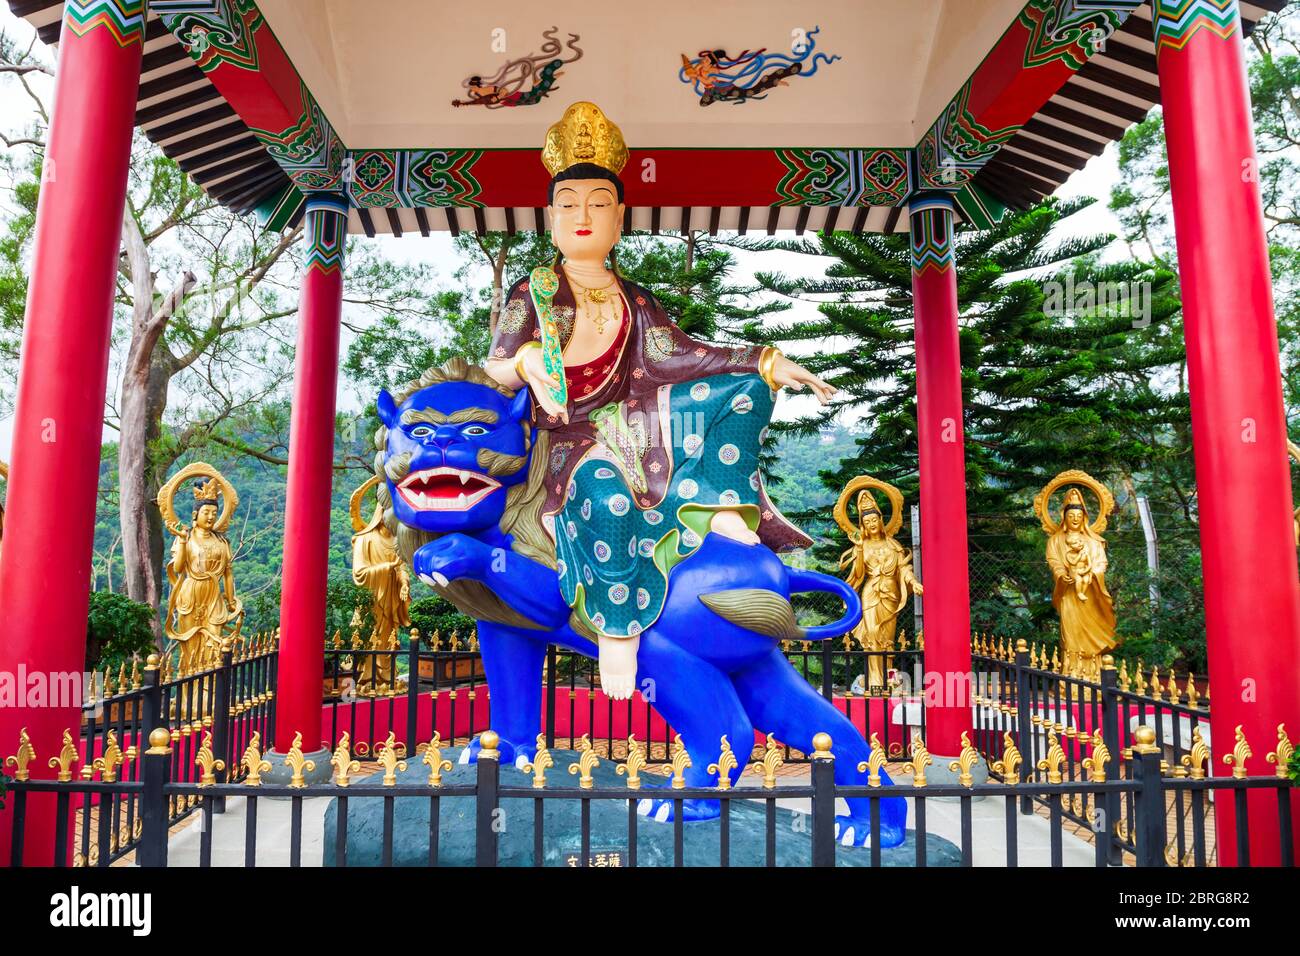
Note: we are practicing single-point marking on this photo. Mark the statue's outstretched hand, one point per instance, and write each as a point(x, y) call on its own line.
point(618, 666)
point(534, 368)
point(795, 377)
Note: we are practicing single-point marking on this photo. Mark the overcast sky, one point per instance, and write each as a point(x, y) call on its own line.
point(1094, 180)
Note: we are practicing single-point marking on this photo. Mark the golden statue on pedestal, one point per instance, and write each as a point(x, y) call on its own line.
point(377, 567)
point(202, 608)
point(879, 567)
point(1076, 553)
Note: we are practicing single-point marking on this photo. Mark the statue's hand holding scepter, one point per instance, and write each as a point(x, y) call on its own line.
point(530, 366)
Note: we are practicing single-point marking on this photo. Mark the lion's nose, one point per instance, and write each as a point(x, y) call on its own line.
point(445, 435)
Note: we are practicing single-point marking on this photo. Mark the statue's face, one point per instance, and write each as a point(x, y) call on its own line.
point(207, 517)
point(1074, 519)
point(871, 523)
point(455, 434)
point(585, 218)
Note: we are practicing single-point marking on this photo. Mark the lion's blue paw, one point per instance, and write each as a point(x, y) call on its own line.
point(661, 810)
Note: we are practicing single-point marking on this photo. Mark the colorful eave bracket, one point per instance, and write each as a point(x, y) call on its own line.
point(1050, 40)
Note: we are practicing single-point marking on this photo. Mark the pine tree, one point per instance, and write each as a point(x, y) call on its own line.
point(1054, 376)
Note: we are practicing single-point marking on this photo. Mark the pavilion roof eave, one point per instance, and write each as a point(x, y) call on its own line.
point(183, 112)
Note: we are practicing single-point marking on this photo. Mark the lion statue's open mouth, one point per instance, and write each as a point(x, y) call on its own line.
point(446, 489)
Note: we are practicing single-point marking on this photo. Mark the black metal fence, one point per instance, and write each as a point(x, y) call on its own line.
point(1114, 757)
point(222, 707)
point(364, 684)
point(1146, 789)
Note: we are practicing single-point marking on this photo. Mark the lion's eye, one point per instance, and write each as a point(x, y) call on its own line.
point(421, 431)
point(473, 431)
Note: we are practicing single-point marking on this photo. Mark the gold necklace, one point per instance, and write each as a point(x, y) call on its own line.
point(598, 297)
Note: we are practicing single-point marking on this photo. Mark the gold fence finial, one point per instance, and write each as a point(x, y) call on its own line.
point(587, 762)
point(1055, 757)
point(541, 762)
point(342, 762)
point(488, 741)
point(1281, 757)
point(296, 762)
point(634, 765)
point(1008, 768)
point(873, 764)
point(1096, 764)
point(253, 763)
point(25, 755)
point(770, 764)
point(207, 762)
point(1197, 762)
point(1144, 738)
point(967, 759)
point(725, 763)
point(66, 758)
point(822, 744)
point(388, 758)
point(920, 760)
point(1241, 752)
point(681, 760)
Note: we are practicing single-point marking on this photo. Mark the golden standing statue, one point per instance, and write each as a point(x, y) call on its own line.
point(879, 567)
point(1076, 553)
point(377, 567)
point(202, 608)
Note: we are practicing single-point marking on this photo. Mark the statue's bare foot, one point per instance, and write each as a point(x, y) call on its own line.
point(731, 525)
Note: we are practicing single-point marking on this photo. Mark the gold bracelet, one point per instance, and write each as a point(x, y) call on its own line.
point(766, 362)
point(519, 358)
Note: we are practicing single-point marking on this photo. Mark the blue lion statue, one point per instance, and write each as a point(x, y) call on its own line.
point(462, 470)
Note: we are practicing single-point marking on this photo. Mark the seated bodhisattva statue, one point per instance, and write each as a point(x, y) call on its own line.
point(203, 607)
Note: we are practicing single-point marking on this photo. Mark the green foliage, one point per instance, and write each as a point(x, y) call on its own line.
point(691, 278)
point(117, 630)
point(343, 599)
point(395, 349)
point(1050, 381)
point(434, 613)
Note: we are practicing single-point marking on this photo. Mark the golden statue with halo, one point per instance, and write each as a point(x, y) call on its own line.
point(879, 567)
point(1076, 553)
point(202, 608)
point(377, 567)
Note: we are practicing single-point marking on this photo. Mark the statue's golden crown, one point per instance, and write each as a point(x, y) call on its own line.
point(584, 135)
point(206, 490)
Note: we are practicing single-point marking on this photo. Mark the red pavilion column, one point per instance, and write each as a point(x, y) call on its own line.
point(63, 373)
point(1252, 600)
point(311, 475)
point(942, 458)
